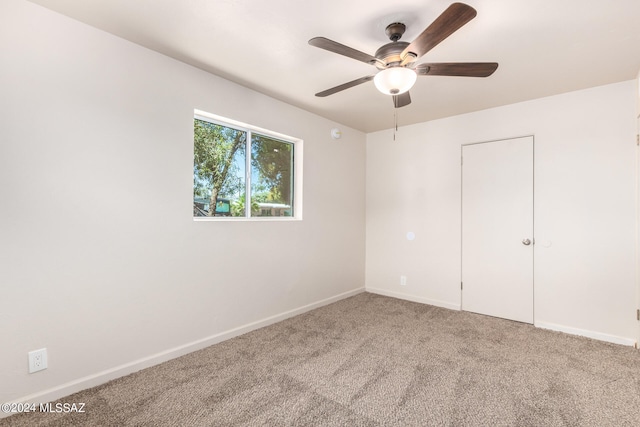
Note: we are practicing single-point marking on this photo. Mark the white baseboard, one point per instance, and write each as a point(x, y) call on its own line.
point(102, 377)
point(413, 298)
point(543, 325)
point(585, 333)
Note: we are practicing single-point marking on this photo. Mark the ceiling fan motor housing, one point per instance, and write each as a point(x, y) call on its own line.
point(390, 54)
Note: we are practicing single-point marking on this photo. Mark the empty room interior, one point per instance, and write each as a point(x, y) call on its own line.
point(500, 191)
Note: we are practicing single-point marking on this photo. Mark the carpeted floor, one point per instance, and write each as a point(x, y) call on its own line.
point(371, 360)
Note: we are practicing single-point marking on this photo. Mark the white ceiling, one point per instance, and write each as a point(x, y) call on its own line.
point(544, 47)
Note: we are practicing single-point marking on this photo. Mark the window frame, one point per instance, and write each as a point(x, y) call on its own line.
point(250, 129)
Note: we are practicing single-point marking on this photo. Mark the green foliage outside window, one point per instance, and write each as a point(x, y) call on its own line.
point(219, 175)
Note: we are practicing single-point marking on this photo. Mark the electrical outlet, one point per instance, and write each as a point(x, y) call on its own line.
point(37, 360)
point(403, 280)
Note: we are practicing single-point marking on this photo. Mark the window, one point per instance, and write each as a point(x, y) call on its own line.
point(242, 171)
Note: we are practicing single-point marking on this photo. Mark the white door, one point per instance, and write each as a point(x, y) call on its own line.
point(497, 228)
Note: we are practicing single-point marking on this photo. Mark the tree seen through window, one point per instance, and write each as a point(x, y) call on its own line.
point(220, 178)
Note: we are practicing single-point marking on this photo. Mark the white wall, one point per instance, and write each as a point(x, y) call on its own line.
point(584, 206)
point(638, 94)
point(101, 261)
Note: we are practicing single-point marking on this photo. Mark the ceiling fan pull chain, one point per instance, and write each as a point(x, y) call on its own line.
point(395, 122)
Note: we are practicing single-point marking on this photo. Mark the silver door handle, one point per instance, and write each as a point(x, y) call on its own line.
point(526, 242)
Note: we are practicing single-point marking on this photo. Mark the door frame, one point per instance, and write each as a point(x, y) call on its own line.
point(638, 224)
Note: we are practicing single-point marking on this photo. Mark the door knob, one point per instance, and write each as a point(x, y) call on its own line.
point(526, 242)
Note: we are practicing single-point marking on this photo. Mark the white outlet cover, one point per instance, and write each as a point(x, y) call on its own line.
point(38, 360)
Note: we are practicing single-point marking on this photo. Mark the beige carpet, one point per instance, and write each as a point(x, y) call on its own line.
point(371, 360)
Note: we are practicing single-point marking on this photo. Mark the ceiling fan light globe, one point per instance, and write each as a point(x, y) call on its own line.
point(395, 80)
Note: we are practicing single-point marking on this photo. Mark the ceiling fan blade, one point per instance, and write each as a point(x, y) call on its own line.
point(463, 69)
point(454, 17)
point(344, 86)
point(401, 100)
point(335, 47)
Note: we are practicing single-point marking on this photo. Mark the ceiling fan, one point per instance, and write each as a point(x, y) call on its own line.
point(396, 61)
